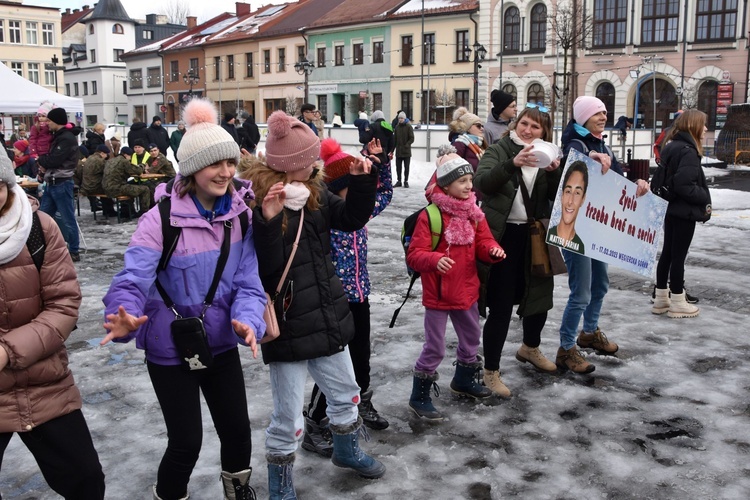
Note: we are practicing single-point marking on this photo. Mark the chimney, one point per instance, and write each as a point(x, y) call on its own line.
point(150, 18)
point(242, 8)
point(84, 7)
point(192, 22)
point(67, 11)
point(75, 11)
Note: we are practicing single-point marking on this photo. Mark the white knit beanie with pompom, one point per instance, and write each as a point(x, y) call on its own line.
point(204, 142)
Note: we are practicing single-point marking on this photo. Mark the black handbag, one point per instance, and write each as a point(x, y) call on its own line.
point(189, 334)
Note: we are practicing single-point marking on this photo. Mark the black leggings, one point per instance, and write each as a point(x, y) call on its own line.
point(405, 160)
point(66, 456)
point(178, 392)
point(359, 350)
point(678, 234)
point(505, 286)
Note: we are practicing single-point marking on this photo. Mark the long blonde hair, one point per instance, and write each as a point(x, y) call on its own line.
point(691, 121)
point(255, 169)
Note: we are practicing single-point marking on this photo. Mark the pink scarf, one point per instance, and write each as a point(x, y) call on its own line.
point(464, 217)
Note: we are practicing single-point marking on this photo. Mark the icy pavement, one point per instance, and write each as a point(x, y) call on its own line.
point(668, 417)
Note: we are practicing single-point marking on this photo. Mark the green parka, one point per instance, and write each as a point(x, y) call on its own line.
point(497, 180)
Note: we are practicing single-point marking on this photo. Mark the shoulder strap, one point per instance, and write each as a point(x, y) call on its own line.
point(36, 242)
point(585, 147)
point(526, 197)
point(436, 231)
point(436, 224)
point(170, 234)
point(291, 256)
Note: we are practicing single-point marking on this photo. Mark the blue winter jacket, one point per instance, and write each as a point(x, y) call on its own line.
point(188, 277)
point(349, 250)
point(591, 143)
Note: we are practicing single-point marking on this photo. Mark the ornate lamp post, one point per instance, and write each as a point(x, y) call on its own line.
point(479, 54)
point(191, 78)
point(304, 67)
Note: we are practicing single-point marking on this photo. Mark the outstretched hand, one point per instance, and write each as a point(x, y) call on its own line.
point(360, 166)
point(273, 203)
point(247, 333)
point(121, 324)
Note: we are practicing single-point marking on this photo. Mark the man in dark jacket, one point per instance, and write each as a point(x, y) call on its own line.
point(228, 125)
point(138, 130)
point(158, 135)
point(252, 134)
point(58, 167)
point(382, 131)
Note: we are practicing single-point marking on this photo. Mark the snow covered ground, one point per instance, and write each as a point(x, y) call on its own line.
point(668, 417)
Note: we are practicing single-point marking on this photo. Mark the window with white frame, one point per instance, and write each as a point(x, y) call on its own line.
point(2, 31)
point(67, 89)
point(33, 72)
point(282, 59)
point(321, 60)
point(85, 88)
point(31, 33)
point(148, 34)
point(17, 68)
point(93, 88)
point(117, 29)
point(118, 54)
point(14, 32)
point(92, 55)
point(75, 89)
point(462, 46)
point(338, 55)
point(49, 77)
point(358, 53)
point(377, 51)
point(154, 76)
point(48, 34)
point(248, 65)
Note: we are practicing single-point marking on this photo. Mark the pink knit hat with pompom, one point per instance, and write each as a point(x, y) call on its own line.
point(290, 144)
point(204, 142)
point(336, 164)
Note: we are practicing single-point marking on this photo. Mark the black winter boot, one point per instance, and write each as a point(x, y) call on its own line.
point(420, 401)
point(317, 437)
point(369, 414)
point(347, 454)
point(237, 485)
point(466, 381)
point(280, 482)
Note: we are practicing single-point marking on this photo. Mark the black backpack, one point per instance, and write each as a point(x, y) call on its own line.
point(436, 229)
point(36, 242)
point(662, 182)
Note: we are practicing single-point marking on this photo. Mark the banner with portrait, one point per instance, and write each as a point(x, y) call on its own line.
point(599, 216)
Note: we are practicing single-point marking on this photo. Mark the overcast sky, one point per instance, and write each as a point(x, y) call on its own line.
point(138, 9)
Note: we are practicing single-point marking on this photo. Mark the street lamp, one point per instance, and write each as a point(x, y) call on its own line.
point(635, 74)
point(479, 54)
point(190, 78)
point(54, 67)
point(304, 67)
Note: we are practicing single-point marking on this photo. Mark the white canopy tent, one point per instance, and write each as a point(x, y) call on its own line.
point(19, 96)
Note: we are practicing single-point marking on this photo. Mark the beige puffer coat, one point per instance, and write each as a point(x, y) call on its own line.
point(38, 311)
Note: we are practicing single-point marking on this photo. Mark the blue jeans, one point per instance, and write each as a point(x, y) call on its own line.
point(59, 198)
point(335, 377)
point(588, 282)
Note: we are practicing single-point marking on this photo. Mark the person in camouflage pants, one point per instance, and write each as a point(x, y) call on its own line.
point(158, 164)
point(115, 180)
point(92, 176)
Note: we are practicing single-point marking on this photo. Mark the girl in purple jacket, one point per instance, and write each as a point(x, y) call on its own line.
point(203, 201)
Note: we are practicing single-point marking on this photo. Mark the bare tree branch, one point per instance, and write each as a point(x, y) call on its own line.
point(176, 11)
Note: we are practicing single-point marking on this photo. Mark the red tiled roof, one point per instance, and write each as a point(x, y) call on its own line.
point(356, 11)
point(301, 15)
point(413, 8)
point(70, 20)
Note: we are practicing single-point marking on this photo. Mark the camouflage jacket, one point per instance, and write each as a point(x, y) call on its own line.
point(116, 173)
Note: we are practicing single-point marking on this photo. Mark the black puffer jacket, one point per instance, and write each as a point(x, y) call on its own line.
point(62, 159)
point(138, 130)
point(312, 309)
point(693, 200)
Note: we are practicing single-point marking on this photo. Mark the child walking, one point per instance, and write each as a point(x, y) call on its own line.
point(312, 308)
point(210, 213)
point(450, 284)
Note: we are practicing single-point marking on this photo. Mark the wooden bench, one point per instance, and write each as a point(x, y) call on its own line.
point(120, 201)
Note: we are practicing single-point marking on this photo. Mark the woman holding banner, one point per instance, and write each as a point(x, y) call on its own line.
point(587, 277)
point(691, 203)
point(502, 168)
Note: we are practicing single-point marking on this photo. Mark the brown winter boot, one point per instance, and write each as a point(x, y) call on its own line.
point(661, 301)
point(596, 341)
point(572, 360)
point(679, 308)
point(534, 356)
point(494, 383)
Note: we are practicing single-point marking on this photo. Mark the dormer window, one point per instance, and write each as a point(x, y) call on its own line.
point(117, 29)
point(91, 29)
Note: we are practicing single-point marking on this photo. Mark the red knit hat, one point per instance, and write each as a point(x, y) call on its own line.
point(21, 145)
point(336, 169)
